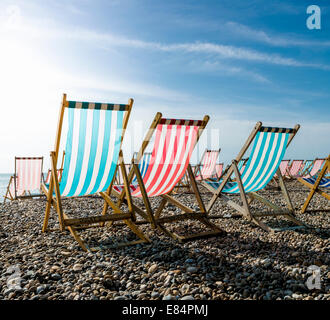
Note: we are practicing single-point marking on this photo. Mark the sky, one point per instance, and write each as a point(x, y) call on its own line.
point(237, 61)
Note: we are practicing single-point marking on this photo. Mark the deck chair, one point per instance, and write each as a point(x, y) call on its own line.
point(284, 167)
point(314, 168)
point(173, 145)
point(26, 179)
point(218, 170)
point(295, 168)
point(317, 184)
point(304, 168)
point(119, 176)
point(266, 155)
point(206, 168)
point(93, 149)
point(143, 164)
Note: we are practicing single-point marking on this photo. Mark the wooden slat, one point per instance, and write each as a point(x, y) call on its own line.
point(96, 219)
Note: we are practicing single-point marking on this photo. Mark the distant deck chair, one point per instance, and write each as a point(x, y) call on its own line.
point(207, 166)
point(26, 179)
point(267, 153)
point(174, 143)
point(284, 167)
point(304, 168)
point(93, 149)
point(314, 168)
point(218, 170)
point(119, 175)
point(295, 168)
point(317, 184)
point(143, 164)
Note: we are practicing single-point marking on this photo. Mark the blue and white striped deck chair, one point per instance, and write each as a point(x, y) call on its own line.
point(143, 165)
point(93, 149)
point(305, 167)
point(267, 152)
point(317, 184)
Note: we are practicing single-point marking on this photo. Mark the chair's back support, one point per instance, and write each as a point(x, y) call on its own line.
point(94, 137)
point(174, 143)
point(267, 153)
point(28, 174)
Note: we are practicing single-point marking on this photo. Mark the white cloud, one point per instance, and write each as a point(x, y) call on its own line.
point(273, 40)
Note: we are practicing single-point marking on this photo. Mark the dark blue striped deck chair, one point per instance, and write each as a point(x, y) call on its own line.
point(317, 184)
point(93, 150)
point(267, 152)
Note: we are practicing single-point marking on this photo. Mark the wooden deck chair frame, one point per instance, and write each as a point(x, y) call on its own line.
point(154, 217)
point(315, 188)
point(93, 221)
point(247, 198)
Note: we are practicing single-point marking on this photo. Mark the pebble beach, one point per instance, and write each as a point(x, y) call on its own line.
point(246, 263)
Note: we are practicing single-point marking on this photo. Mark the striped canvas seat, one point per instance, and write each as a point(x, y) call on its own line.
point(317, 165)
point(173, 146)
point(284, 167)
point(219, 169)
point(305, 167)
point(241, 165)
point(92, 147)
point(324, 183)
point(295, 168)
point(28, 173)
point(143, 165)
point(267, 153)
point(207, 167)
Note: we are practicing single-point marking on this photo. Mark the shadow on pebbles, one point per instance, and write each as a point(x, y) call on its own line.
point(246, 263)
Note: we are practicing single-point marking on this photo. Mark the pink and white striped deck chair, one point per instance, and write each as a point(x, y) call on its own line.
point(206, 167)
point(218, 170)
point(174, 143)
point(295, 168)
point(26, 182)
point(316, 167)
point(284, 166)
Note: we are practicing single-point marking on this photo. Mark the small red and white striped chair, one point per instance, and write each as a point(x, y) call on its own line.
point(207, 166)
point(173, 145)
point(295, 168)
point(26, 182)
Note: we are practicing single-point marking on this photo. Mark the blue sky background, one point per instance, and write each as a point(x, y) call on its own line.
point(238, 61)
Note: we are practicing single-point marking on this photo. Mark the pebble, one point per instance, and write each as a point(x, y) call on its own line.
point(247, 263)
